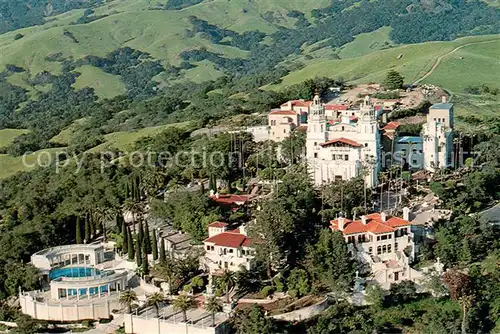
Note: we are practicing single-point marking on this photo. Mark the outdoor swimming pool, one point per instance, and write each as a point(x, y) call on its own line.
point(73, 272)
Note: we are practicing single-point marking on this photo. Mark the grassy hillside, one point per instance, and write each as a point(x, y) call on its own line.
point(8, 135)
point(105, 85)
point(367, 43)
point(125, 139)
point(413, 61)
point(10, 165)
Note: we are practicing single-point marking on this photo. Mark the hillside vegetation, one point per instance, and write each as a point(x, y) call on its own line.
point(126, 65)
point(474, 64)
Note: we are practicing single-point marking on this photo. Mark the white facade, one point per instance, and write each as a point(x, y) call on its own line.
point(437, 135)
point(227, 250)
point(383, 243)
point(344, 149)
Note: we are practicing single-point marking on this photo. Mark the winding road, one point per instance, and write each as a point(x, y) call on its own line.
point(438, 61)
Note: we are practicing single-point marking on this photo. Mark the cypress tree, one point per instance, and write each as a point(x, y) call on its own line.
point(87, 229)
point(145, 265)
point(154, 245)
point(138, 253)
point(124, 237)
point(163, 255)
point(78, 236)
point(147, 240)
point(211, 182)
point(140, 236)
point(130, 243)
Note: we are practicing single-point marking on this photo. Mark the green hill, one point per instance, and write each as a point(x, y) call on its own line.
point(479, 64)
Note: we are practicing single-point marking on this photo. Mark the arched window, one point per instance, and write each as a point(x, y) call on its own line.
point(370, 250)
point(384, 249)
point(379, 250)
point(389, 248)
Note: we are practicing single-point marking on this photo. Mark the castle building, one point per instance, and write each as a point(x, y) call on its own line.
point(437, 136)
point(383, 243)
point(344, 148)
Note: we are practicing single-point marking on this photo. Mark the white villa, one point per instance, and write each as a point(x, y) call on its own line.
point(344, 148)
point(383, 243)
point(78, 286)
point(227, 249)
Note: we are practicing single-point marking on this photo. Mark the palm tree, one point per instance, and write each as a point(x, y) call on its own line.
point(127, 298)
point(213, 306)
point(227, 281)
point(465, 302)
point(155, 300)
point(183, 303)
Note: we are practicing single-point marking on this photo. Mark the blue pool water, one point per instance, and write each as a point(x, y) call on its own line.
point(73, 272)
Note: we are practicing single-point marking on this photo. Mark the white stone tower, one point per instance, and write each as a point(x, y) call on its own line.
point(316, 133)
point(437, 134)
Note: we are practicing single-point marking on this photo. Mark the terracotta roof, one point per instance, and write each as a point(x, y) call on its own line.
point(282, 112)
point(336, 107)
point(373, 224)
point(299, 103)
point(342, 140)
point(391, 126)
point(230, 199)
point(230, 239)
point(218, 224)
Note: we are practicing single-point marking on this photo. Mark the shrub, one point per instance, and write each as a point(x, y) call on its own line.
point(267, 291)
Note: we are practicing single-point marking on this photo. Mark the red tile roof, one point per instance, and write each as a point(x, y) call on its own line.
point(298, 103)
point(373, 224)
point(342, 140)
point(282, 112)
point(230, 199)
point(336, 107)
point(391, 126)
point(230, 239)
point(218, 224)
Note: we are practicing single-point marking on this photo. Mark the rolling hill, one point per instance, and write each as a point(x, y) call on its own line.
point(130, 66)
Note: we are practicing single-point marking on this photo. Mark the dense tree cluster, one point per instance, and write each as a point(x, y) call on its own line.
point(21, 13)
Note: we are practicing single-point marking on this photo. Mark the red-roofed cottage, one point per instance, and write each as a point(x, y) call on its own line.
point(383, 242)
point(227, 249)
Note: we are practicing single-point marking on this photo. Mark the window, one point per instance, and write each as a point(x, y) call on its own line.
point(315, 143)
point(439, 148)
point(370, 250)
point(346, 157)
point(378, 238)
point(230, 251)
point(389, 248)
point(379, 250)
point(366, 144)
point(284, 130)
point(384, 237)
point(315, 154)
point(395, 246)
point(389, 236)
point(414, 161)
point(333, 156)
point(384, 249)
point(342, 128)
